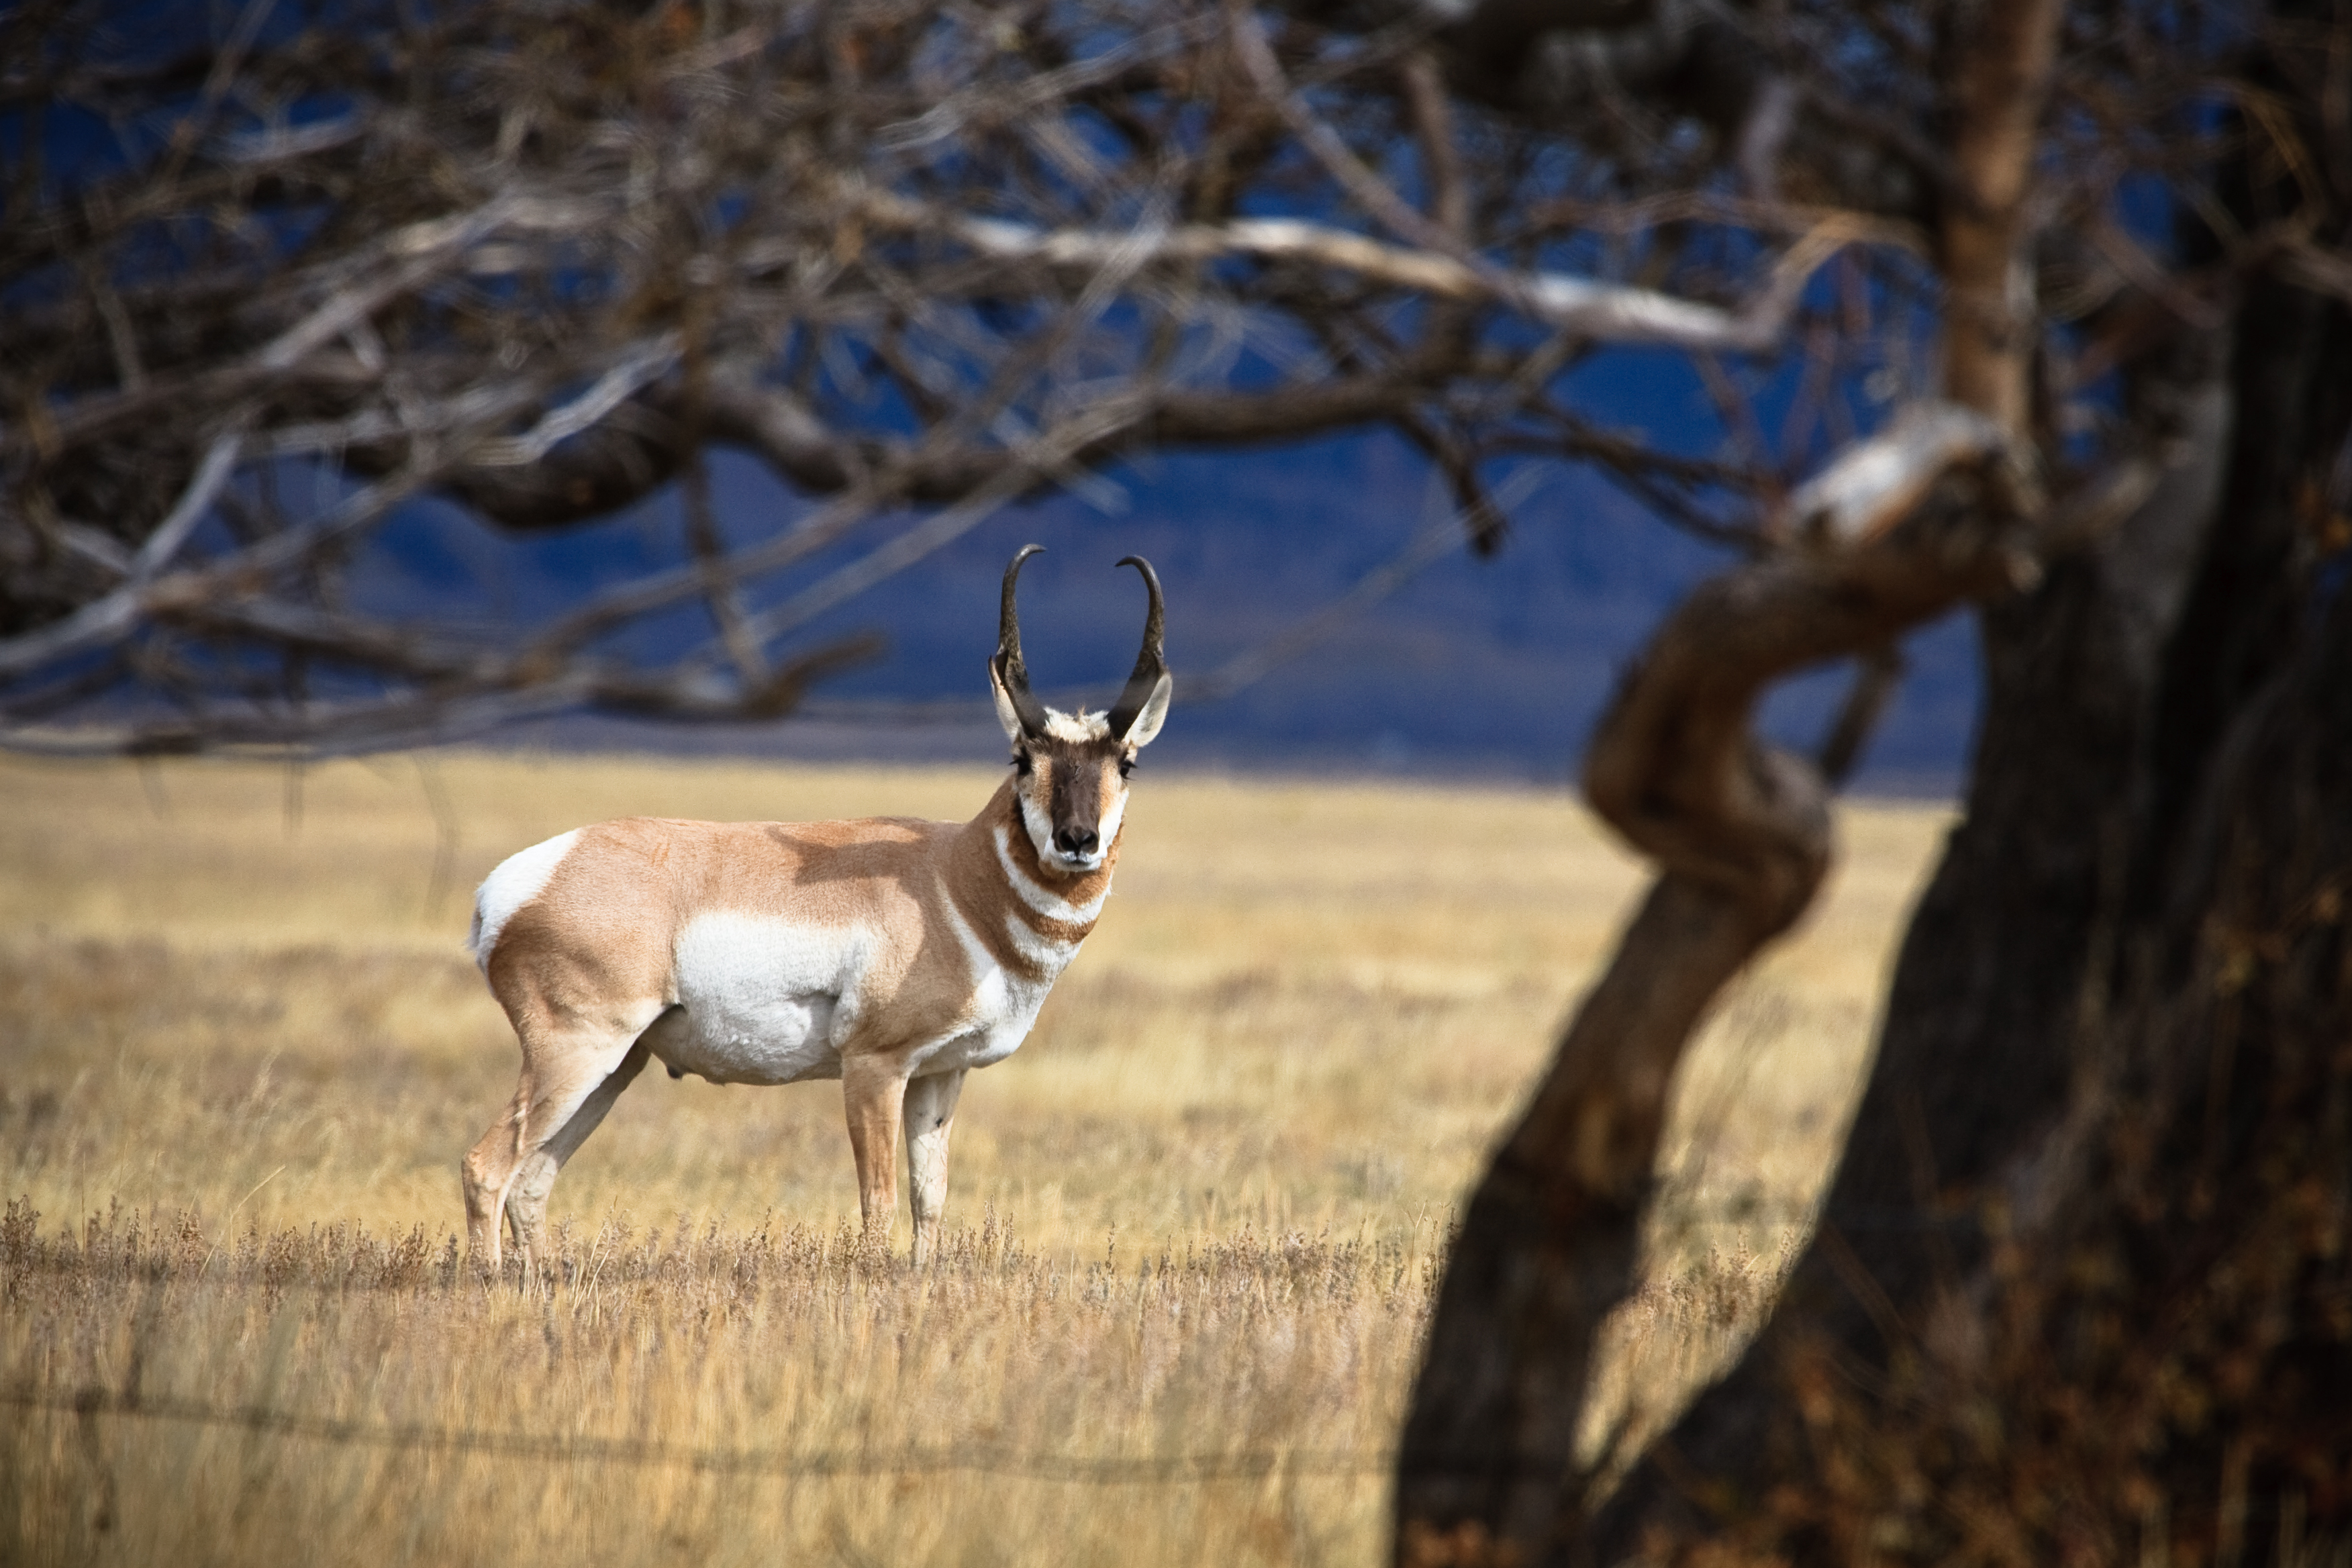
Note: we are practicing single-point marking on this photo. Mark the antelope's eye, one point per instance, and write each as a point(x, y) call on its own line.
point(1126, 768)
point(1021, 764)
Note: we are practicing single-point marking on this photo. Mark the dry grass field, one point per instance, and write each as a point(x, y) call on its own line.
point(1198, 1217)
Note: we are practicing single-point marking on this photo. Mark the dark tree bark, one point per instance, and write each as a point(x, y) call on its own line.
point(2017, 1337)
point(2156, 1361)
point(1977, 1053)
point(1548, 1245)
point(1741, 836)
point(2067, 1072)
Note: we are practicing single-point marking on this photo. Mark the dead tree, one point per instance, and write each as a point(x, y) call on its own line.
point(2015, 1338)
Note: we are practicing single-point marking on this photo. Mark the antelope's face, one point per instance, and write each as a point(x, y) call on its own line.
point(1072, 786)
point(1071, 769)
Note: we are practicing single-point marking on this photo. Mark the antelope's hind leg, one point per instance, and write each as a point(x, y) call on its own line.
point(534, 1178)
point(567, 1087)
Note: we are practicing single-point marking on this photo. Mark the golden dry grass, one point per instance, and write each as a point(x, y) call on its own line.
point(1202, 1209)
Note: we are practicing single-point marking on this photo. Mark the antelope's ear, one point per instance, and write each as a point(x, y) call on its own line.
point(1153, 713)
point(1006, 713)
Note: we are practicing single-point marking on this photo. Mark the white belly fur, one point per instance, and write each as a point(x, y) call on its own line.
point(759, 1000)
point(763, 1000)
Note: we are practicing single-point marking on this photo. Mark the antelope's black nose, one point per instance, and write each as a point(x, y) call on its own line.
point(1075, 840)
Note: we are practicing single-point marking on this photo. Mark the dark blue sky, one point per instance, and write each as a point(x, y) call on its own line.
point(1494, 667)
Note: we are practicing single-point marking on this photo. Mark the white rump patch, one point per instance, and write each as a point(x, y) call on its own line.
point(514, 882)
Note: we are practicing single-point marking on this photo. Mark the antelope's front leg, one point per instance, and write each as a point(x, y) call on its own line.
point(929, 1117)
point(874, 1091)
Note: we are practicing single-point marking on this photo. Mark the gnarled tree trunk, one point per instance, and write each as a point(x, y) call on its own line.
point(2078, 1284)
point(2078, 1292)
point(1741, 835)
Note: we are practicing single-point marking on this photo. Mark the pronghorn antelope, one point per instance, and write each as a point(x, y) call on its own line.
point(891, 954)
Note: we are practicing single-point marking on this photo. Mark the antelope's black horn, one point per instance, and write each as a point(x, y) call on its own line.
point(1008, 665)
point(1151, 664)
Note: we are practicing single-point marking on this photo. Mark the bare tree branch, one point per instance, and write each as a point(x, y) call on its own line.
point(921, 260)
point(1610, 312)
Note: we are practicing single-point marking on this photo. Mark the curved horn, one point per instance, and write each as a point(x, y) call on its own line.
point(1151, 665)
point(1008, 665)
